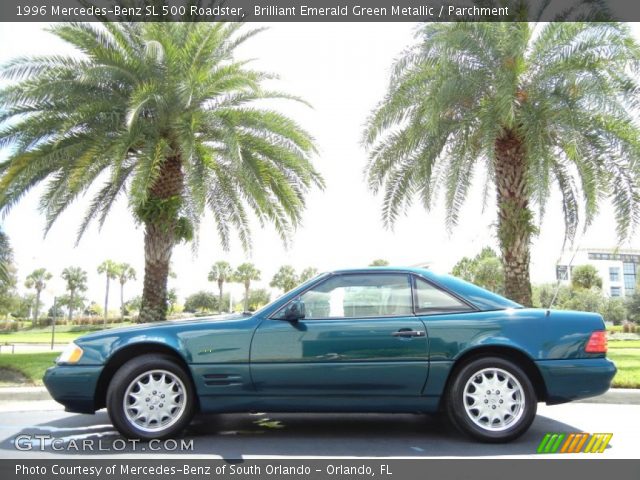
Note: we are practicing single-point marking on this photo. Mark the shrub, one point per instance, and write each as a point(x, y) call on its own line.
point(9, 326)
point(613, 310)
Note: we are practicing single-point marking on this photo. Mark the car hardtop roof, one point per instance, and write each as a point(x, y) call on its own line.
point(483, 299)
point(387, 269)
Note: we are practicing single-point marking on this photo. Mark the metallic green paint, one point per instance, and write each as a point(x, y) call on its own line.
point(339, 357)
point(243, 363)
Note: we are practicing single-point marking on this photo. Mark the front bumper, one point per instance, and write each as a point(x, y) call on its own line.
point(74, 386)
point(568, 380)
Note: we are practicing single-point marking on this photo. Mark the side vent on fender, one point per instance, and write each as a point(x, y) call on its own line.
point(222, 379)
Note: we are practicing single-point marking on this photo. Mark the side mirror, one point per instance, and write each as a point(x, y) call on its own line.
point(295, 311)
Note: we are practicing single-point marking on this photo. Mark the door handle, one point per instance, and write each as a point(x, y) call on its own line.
point(329, 356)
point(408, 333)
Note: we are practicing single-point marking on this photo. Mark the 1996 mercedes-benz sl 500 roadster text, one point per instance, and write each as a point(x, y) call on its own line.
point(370, 340)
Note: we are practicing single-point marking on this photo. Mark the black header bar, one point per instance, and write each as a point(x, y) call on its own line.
point(318, 10)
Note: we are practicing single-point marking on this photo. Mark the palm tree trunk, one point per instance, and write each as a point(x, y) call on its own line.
point(246, 296)
point(37, 309)
point(71, 295)
point(159, 240)
point(219, 296)
point(122, 301)
point(106, 301)
point(515, 220)
point(158, 244)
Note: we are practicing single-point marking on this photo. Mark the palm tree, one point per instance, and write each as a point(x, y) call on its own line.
point(125, 273)
point(286, 278)
point(111, 271)
point(76, 279)
point(220, 272)
point(535, 105)
point(38, 281)
point(244, 274)
point(6, 258)
point(163, 113)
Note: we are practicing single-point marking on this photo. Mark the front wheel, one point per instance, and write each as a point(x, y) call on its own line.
point(492, 400)
point(150, 397)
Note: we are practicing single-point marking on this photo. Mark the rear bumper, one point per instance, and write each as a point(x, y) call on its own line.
point(568, 380)
point(73, 386)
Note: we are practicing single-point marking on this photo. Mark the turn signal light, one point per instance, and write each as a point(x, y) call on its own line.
point(71, 354)
point(597, 342)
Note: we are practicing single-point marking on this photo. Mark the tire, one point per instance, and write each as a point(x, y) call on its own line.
point(506, 400)
point(150, 397)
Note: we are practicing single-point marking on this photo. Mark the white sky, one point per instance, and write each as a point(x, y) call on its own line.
point(343, 70)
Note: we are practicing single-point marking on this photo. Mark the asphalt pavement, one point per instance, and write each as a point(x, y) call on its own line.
point(43, 430)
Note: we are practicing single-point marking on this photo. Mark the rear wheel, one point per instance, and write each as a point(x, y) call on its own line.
point(150, 397)
point(491, 399)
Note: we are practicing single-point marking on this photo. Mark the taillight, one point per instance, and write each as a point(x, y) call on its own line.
point(597, 342)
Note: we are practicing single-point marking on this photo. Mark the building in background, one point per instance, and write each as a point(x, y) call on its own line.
point(618, 268)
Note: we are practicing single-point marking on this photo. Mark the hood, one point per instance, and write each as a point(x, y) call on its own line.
point(166, 323)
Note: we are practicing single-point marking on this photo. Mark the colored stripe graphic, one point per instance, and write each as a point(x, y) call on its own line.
point(551, 442)
point(569, 442)
point(585, 436)
point(598, 443)
point(573, 442)
point(543, 443)
point(557, 443)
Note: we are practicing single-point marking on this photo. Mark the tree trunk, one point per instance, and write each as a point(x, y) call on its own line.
point(37, 309)
point(106, 301)
point(220, 296)
point(71, 295)
point(246, 296)
point(159, 240)
point(158, 244)
point(122, 301)
point(515, 220)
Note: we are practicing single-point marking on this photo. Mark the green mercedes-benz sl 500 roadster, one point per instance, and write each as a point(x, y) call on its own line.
point(370, 340)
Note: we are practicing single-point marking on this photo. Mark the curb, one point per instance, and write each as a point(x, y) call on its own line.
point(619, 396)
point(24, 394)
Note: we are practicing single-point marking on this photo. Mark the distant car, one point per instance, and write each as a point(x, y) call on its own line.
point(371, 340)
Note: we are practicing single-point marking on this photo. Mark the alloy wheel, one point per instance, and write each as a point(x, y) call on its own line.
point(154, 400)
point(493, 399)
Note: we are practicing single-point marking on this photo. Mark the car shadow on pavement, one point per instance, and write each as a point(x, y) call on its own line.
point(236, 436)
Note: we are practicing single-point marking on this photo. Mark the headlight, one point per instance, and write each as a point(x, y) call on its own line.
point(70, 354)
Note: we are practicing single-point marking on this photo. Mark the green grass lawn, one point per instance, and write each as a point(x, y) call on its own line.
point(64, 333)
point(31, 365)
point(615, 344)
point(38, 337)
point(628, 362)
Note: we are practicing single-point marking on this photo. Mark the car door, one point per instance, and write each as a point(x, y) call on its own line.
point(451, 323)
point(359, 337)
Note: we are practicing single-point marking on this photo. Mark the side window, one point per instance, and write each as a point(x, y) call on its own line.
point(359, 295)
point(430, 299)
